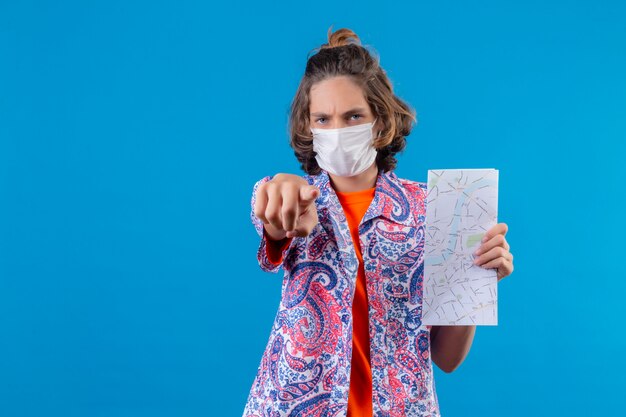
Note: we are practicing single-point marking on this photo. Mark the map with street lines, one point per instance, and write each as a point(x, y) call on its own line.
point(461, 205)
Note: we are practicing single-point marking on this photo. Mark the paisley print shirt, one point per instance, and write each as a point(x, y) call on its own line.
point(305, 368)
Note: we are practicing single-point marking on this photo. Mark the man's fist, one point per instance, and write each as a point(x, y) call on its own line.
point(286, 205)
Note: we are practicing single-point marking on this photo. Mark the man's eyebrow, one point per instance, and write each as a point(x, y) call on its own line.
point(354, 110)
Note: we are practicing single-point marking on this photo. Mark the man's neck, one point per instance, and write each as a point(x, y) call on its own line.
point(362, 181)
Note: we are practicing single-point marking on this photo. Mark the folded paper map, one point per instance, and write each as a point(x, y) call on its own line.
point(461, 205)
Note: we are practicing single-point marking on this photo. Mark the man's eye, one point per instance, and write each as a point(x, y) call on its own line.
point(357, 115)
point(321, 118)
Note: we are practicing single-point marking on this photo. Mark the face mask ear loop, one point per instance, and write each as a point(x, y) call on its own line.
point(373, 123)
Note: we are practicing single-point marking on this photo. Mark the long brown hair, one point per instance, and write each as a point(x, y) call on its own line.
point(344, 55)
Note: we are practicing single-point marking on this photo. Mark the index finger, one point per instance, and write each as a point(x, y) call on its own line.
point(308, 194)
point(500, 228)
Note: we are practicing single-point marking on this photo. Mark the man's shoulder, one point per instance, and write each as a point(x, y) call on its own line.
point(414, 187)
point(415, 192)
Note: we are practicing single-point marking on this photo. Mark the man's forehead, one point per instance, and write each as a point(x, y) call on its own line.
point(336, 100)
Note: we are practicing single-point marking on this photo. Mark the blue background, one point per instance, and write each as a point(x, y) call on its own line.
point(131, 136)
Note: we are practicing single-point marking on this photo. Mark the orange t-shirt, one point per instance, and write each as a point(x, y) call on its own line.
point(354, 204)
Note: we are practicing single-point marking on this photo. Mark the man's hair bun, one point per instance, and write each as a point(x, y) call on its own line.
point(341, 37)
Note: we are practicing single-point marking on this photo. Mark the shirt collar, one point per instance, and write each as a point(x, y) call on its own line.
point(391, 200)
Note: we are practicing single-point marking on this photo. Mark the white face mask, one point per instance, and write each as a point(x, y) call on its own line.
point(345, 151)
